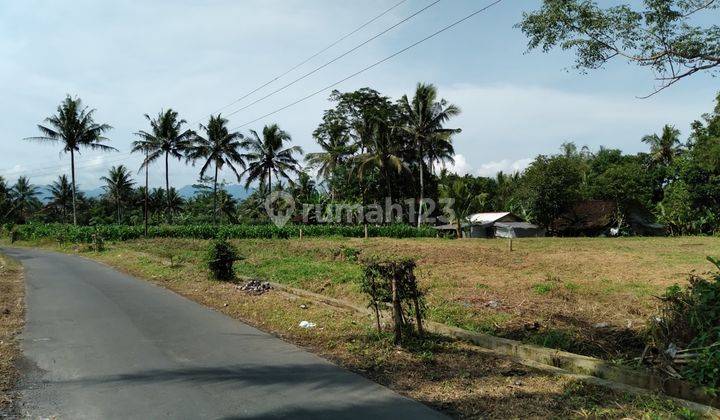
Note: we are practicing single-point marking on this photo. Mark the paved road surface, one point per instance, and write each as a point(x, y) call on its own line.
point(100, 344)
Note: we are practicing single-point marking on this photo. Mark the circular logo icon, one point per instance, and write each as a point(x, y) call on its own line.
point(279, 206)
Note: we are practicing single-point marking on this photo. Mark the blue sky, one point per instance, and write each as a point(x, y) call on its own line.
point(127, 58)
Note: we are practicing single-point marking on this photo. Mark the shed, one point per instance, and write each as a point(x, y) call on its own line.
point(518, 230)
point(482, 225)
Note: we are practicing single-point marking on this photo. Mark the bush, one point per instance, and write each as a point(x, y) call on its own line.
point(690, 319)
point(98, 244)
point(220, 259)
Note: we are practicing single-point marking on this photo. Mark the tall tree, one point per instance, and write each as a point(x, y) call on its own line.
point(661, 35)
point(383, 154)
point(74, 126)
point(167, 139)
point(174, 201)
point(144, 146)
point(118, 187)
point(463, 201)
point(61, 197)
point(665, 147)
point(219, 147)
point(424, 120)
point(267, 155)
point(24, 199)
point(335, 141)
point(4, 199)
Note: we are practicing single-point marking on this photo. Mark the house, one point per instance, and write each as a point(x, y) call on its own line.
point(496, 224)
point(603, 217)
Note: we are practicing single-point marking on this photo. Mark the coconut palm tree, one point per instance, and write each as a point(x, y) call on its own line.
point(23, 196)
point(118, 187)
point(424, 119)
point(165, 139)
point(4, 199)
point(174, 201)
point(665, 147)
point(337, 150)
point(463, 200)
point(73, 125)
point(383, 154)
point(219, 147)
point(61, 197)
point(267, 156)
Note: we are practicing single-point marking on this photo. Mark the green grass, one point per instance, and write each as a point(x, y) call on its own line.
point(458, 315)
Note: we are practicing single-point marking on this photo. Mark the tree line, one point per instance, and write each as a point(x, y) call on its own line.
point(372, 148)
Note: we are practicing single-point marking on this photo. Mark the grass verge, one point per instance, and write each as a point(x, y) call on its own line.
point(457, 378)
point(11, 322)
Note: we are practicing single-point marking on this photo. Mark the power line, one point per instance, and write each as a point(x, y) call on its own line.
point(336, 42)
point(53, 170)
point(355, 48)
point(377, 63)
point(339, 40)
point(12, 172)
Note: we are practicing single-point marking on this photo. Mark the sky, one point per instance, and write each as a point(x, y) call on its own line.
point(128, 58)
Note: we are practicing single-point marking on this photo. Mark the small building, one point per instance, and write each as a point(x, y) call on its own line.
point(604, 218)
point(518, 230)
point(495, 224)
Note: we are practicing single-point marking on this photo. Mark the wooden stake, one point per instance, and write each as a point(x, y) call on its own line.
point(397, 311)
point(300, 233)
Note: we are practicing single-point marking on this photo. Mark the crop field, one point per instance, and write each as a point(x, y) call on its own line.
point(586, 295)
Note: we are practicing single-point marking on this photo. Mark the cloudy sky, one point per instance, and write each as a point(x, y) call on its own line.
point(127, 58)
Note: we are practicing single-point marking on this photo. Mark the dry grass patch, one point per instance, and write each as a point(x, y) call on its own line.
point(11, 322)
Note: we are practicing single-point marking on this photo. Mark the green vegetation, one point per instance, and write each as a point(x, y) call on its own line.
point(690, 319)
point(221, 255)
point(84, 234)
point(383, 153)
point(664, 36)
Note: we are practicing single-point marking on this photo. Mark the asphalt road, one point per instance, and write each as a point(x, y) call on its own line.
point(103, 345)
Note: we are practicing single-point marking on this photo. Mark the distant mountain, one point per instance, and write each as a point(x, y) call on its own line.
point(237, 191)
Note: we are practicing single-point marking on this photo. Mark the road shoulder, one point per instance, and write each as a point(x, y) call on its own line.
point(12, 310)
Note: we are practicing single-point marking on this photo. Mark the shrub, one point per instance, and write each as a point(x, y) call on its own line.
point(393, 283)
point(690, 321)
point(98, 244)
point(220, 259)
point(347, 253)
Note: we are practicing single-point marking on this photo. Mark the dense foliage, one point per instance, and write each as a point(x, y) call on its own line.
point(690, 319)
point(666, 36)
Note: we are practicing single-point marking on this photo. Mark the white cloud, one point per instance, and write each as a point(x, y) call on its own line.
point(505, 165)
point(460, 166)
point(505, 124)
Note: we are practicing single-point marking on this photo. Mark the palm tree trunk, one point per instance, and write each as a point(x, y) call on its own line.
point(145, 213)
point(72, 173)
point(269, 181)
point(167, 188)
point(422, 192)
point(215, 195)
